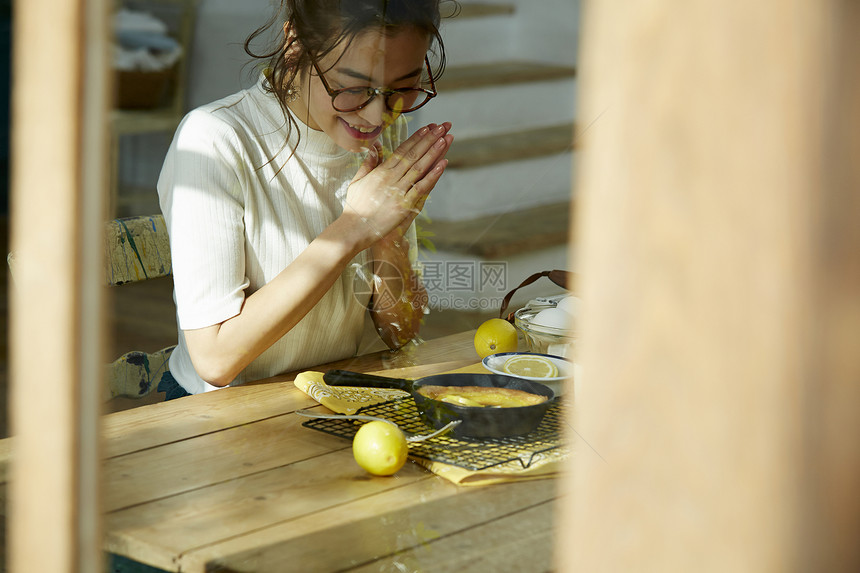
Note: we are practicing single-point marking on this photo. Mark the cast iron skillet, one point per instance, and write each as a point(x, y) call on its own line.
point(476, 422)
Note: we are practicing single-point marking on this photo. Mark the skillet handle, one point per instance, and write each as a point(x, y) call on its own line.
point(361, 380)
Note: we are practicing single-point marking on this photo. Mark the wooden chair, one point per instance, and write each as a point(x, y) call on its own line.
point(136, 249)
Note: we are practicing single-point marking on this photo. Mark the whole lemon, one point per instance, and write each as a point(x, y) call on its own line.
point(380, 448)
point(495, 335)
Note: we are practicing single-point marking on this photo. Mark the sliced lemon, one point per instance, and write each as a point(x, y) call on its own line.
point(461, 401)
point(530, 365)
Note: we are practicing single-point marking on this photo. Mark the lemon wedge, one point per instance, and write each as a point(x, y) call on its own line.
point(530, 365)
point(461, 401)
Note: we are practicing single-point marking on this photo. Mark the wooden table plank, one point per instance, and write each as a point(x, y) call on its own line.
point(212, 458)
point(168, 422)
point(405, 519)
point(158, 531)
point(521, 541)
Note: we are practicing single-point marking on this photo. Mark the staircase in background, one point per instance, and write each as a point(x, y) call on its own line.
point(506, 195)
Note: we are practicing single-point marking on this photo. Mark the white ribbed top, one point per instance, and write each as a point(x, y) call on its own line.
point(239, 209)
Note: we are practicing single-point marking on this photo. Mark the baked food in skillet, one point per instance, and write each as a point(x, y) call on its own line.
point(481, 396)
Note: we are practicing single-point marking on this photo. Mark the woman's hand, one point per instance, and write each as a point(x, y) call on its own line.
point(386, 197)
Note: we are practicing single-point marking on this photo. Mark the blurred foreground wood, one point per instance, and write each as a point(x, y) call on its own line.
point(720, 265)
point(56, 335)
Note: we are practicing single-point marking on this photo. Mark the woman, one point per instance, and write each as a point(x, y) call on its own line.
point(281, 198)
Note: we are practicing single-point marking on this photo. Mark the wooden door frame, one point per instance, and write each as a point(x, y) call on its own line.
point(719, 242)
point(58, 181)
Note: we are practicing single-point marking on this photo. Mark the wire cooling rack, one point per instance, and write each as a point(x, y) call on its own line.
point(471, 454)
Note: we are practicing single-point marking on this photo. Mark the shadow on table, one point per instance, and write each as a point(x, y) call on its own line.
point(120, 564)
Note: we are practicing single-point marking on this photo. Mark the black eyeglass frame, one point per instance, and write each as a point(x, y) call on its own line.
point(374, 92)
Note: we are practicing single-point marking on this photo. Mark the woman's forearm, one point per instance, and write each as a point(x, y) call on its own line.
point(220, 352)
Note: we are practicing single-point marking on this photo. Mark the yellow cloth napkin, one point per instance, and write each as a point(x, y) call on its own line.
point(348, 400)
point(343, 399)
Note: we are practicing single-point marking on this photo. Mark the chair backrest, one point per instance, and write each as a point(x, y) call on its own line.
point(136, 249)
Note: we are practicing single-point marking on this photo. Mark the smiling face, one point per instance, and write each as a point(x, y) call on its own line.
point(372, 59)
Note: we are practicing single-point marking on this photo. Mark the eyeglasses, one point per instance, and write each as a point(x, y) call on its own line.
point(400, 100)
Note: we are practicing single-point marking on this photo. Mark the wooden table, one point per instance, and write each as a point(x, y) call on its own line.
point(231, 481)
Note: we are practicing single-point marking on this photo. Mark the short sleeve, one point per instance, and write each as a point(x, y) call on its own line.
point(200, 193)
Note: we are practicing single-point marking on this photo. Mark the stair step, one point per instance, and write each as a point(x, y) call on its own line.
point(498, 188)
point(501, 73)
point(475, 10)
point(499, 148)
point(481, 34)
point(495, 237)
point(499, 110)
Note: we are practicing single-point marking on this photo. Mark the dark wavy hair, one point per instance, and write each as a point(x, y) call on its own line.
point(319, 26)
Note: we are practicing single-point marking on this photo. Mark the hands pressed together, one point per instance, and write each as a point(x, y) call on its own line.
point(388, 195)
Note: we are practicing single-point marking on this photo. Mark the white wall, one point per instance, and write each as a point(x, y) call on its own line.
point(548, 30)
point(218, 65)
point(217, 68)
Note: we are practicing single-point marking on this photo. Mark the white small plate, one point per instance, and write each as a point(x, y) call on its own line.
point(495, 364)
